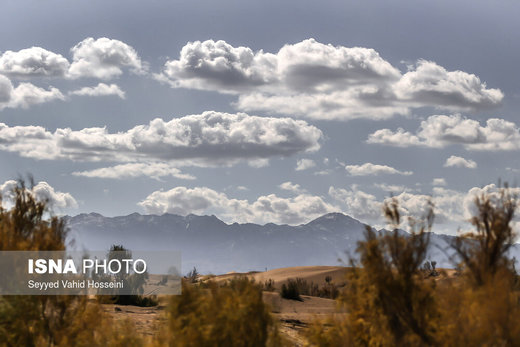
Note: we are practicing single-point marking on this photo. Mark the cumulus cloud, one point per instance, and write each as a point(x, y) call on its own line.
point(357, 203)
point(304, 164)
point(439, 182)
point(216, 65)
point(211, 138)
point(33, 62)
point(455, 161)
point(41, 192)
point(369, 169)
point(439, 131)
point(391, 188)
point(25, 94)
point(491, 190)
point(133, 170)
point(101, 89)
point(6, 89)
point(322, 81)
point(103, 58)
point(452, 208)
point(431, 84)
point(291, 187)
point(271, 208)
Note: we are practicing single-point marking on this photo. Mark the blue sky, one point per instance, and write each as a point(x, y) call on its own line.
point(260, 111)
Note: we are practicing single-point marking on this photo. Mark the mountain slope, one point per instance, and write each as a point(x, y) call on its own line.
point(214, 246)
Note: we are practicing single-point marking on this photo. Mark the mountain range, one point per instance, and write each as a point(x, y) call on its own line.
point(213, 246)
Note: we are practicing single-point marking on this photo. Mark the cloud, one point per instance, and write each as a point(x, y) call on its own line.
point(101, 89)
point(452, 208)
point(358, 204)
point(103, 58)
point(133, 170)
point(432, 85)
point(216, 65)
point(391, 188)
point(455, 161)
point(439, 182)
point(369, 169)
point(258, 163)
point(322, 81)
point(271, 208)
point(25, 94)
point(368, 208)
point(439, 131)
point(42, 192)
point(208, 139)
point(304, 164)
point(33, 62)
point(6, 89)
point(492, 191)
point(291, 187)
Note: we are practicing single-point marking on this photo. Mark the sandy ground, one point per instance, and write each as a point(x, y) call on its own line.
point(316, 274)
point(294, 316)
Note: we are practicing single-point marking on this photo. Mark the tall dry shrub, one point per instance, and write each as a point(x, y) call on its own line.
point(389, 303)
point(233, 314)
point(48, 320)
point(483, 306)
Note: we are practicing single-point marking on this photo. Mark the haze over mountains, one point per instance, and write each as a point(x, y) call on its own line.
point(214, 246)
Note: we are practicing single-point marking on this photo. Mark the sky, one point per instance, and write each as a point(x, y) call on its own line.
point(260, 111)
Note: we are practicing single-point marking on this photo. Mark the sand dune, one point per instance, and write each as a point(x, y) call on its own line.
point(316, 274)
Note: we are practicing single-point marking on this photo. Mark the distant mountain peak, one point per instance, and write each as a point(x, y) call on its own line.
point(333, 217)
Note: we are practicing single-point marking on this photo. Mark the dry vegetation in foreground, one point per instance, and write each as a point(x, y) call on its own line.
point(388, 299)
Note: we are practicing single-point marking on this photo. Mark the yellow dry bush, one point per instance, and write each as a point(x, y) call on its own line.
point(49, 320)
point(389, 303)
point(229, 315)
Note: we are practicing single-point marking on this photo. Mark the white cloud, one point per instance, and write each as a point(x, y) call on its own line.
point(358, 204)
point(455, 161)
point(33, 62)
point(320, 81)
point(101, 89)
point(103, 58)
point(271, 208)
point(369, 169)
point(216, 65)
point(6, 89)
point(304, 164)
point(41, 192)
point(133, 170)
point(391, 188)
point(322, 173)
point(440, 131)
point(368, 208)
point(291, 187)
point(258, 163)
point(452, 208)
point(211, 138)
point(25, 94)
point(439, 182)
point(492, 191)
point(432, 85)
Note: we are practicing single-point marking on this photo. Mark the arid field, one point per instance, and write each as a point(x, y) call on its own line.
point(293, 315)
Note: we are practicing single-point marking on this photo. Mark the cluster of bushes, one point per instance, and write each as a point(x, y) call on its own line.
point(392, 299)
point(228, 314)
point(295, 287)
point(232, 314)
point(391, 303)
point(49, 320)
